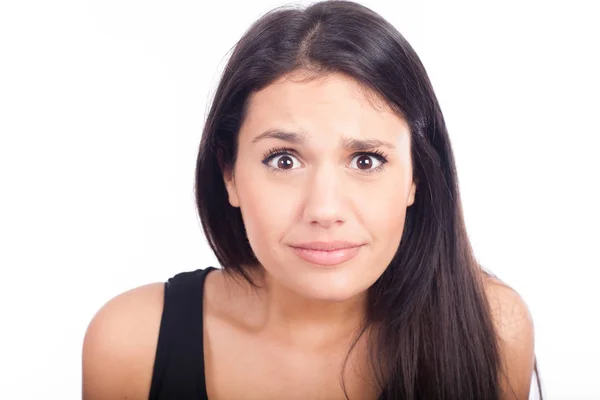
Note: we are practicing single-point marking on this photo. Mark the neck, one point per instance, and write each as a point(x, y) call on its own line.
point(308, 323)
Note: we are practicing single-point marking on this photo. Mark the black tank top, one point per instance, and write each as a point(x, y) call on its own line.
point(179, 364)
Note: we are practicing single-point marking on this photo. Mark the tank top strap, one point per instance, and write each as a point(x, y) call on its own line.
point(178, 371)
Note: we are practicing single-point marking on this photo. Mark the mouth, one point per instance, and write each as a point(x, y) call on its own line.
point(327, 253)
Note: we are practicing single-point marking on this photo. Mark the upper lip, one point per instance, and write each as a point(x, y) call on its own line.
point(327, 246)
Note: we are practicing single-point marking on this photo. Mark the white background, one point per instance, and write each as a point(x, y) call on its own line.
point(101, 110)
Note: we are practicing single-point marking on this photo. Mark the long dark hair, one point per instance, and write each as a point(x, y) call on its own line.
point(434, 336)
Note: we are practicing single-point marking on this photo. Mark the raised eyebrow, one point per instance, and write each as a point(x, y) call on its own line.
point(292, 137)
point(350, 144)
point(365, 144)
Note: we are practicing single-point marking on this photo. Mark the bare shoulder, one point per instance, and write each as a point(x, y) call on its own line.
point(120, 345)
point(515, 330)
point(509, 311)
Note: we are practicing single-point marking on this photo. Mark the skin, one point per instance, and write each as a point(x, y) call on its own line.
point(325, 195)
point(288, 339)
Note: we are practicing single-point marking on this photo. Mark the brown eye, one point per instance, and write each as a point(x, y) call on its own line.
point(283, 161)
point(365, 162)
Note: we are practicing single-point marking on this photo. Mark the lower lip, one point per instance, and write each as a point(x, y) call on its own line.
point(326, 257)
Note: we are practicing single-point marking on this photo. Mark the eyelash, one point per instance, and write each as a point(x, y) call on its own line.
point(277, 151)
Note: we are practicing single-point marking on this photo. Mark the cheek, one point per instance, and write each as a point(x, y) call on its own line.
point(383, 212)
point(266, 209)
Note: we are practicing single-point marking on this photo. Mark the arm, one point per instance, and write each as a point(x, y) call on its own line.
point(120, 344)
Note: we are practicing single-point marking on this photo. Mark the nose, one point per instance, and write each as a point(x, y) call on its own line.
point(325, 198)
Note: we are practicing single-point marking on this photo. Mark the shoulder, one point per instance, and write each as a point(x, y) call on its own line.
point(120, 344)
point(510, 313)
point(514, 327)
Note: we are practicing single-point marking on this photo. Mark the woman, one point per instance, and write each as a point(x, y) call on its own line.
point(326, 186)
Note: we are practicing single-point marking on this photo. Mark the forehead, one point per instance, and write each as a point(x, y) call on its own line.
point(333, 103)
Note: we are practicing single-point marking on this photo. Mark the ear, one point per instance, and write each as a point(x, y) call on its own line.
point(229, 179)
point(411, 193)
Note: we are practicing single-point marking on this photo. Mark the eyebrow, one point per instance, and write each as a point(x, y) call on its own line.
point(350, 144)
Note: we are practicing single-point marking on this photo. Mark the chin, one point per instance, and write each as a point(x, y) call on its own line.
point(334, 286)
point(334, 297)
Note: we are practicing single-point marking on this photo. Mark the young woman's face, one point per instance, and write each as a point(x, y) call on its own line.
point(323, 178)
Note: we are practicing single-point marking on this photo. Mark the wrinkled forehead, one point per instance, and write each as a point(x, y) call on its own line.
point(321, 106)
